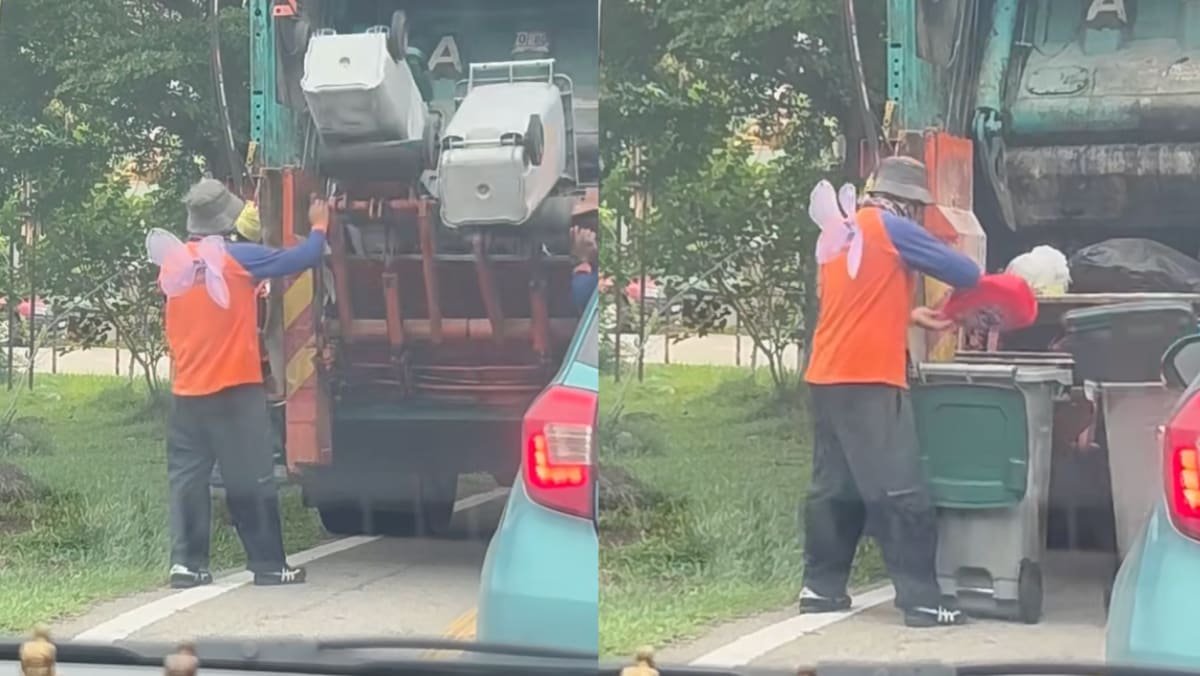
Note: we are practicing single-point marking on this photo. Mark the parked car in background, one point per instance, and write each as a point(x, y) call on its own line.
point(693, 306)
point(38, 314)
point(538, 586)
point(1157, 587)
point(631, 299)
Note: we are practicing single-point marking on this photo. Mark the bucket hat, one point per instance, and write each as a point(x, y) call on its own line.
point(902, 177)
point(211, 208)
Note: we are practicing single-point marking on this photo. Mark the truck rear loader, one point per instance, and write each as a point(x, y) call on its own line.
point(457, 143)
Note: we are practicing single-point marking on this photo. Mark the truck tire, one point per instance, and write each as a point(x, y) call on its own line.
point(427, 516)
point(343, 518)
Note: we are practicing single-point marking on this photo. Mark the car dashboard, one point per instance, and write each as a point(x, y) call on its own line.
point(450, 658)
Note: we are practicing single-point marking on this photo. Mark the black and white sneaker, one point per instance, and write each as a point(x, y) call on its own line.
point(812, 602)
point(183, 577)
point(286, 575)
point(941, 616)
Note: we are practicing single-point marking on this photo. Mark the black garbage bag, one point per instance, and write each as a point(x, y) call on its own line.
point(1129, 264)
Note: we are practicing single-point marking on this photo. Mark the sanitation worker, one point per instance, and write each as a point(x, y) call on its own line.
point(586, 274)
point(219, 406)
point(866, 473)
point(585, 252)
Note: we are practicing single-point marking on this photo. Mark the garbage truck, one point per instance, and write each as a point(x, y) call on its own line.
point(1060, 122)
point(457, 144)
point(1043, 122)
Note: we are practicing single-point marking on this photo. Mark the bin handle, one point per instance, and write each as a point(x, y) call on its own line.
point(970, 379)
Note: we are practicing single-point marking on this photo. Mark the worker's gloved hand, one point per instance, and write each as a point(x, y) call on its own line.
point(318, 213)
point(930, 319)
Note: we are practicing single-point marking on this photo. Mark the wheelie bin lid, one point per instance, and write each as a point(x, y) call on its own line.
point(1102, 315)
point(993, 373)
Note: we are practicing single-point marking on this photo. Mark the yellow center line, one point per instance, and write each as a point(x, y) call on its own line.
point(461, 629)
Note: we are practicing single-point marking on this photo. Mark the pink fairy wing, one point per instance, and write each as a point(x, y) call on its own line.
point(175, 279)
point(831, 243)
point(177, 270)
point(823, 207)
point(848, 199)
point(162, 245)
point(211, 251)
point(854, 259)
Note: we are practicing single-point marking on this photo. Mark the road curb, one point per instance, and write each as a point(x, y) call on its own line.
point(749, 647)
point(132, 621)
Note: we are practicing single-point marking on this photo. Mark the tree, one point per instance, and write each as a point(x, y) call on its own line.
point(99, 97)
point(749, 240)
point(683, 81)
point(139, 70)
point(680, 72)
point(95, 255)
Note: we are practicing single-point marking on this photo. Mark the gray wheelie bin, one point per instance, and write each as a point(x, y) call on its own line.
point(1132, 413)
point(986, 433)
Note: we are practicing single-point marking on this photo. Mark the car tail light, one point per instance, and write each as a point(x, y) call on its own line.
point(560, 450)
point(1181, 464)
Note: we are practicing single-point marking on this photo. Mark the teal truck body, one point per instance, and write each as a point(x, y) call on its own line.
point(1082, 113)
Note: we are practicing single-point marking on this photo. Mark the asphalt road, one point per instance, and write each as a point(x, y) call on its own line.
point(1072, 630)
point(357, 587)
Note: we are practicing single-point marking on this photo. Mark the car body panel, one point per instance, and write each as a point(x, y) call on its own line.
point(1151, 614)
point(539, 582)
point(539, 585)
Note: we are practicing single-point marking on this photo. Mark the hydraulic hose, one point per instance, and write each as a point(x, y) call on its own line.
point(236, 170)
point(870, 125)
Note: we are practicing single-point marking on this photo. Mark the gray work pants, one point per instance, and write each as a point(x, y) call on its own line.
point(230, 428)
point(867, 477)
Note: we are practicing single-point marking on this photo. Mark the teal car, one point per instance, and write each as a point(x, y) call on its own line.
point(1150, 618)
point(539, 584)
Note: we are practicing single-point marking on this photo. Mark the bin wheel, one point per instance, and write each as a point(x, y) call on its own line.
point(295, 42)
point(534, 140)
point(398, 36)
point(432, 140)
point(1029, 593)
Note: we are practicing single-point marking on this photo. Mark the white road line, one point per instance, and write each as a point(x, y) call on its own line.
point(744, 650)
point(132, 621)
point(479, 499)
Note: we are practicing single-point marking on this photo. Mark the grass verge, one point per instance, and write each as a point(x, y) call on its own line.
point(702, 475)
point(93, 526)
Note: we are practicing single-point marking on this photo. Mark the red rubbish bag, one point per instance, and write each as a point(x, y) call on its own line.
point(1004, 302)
